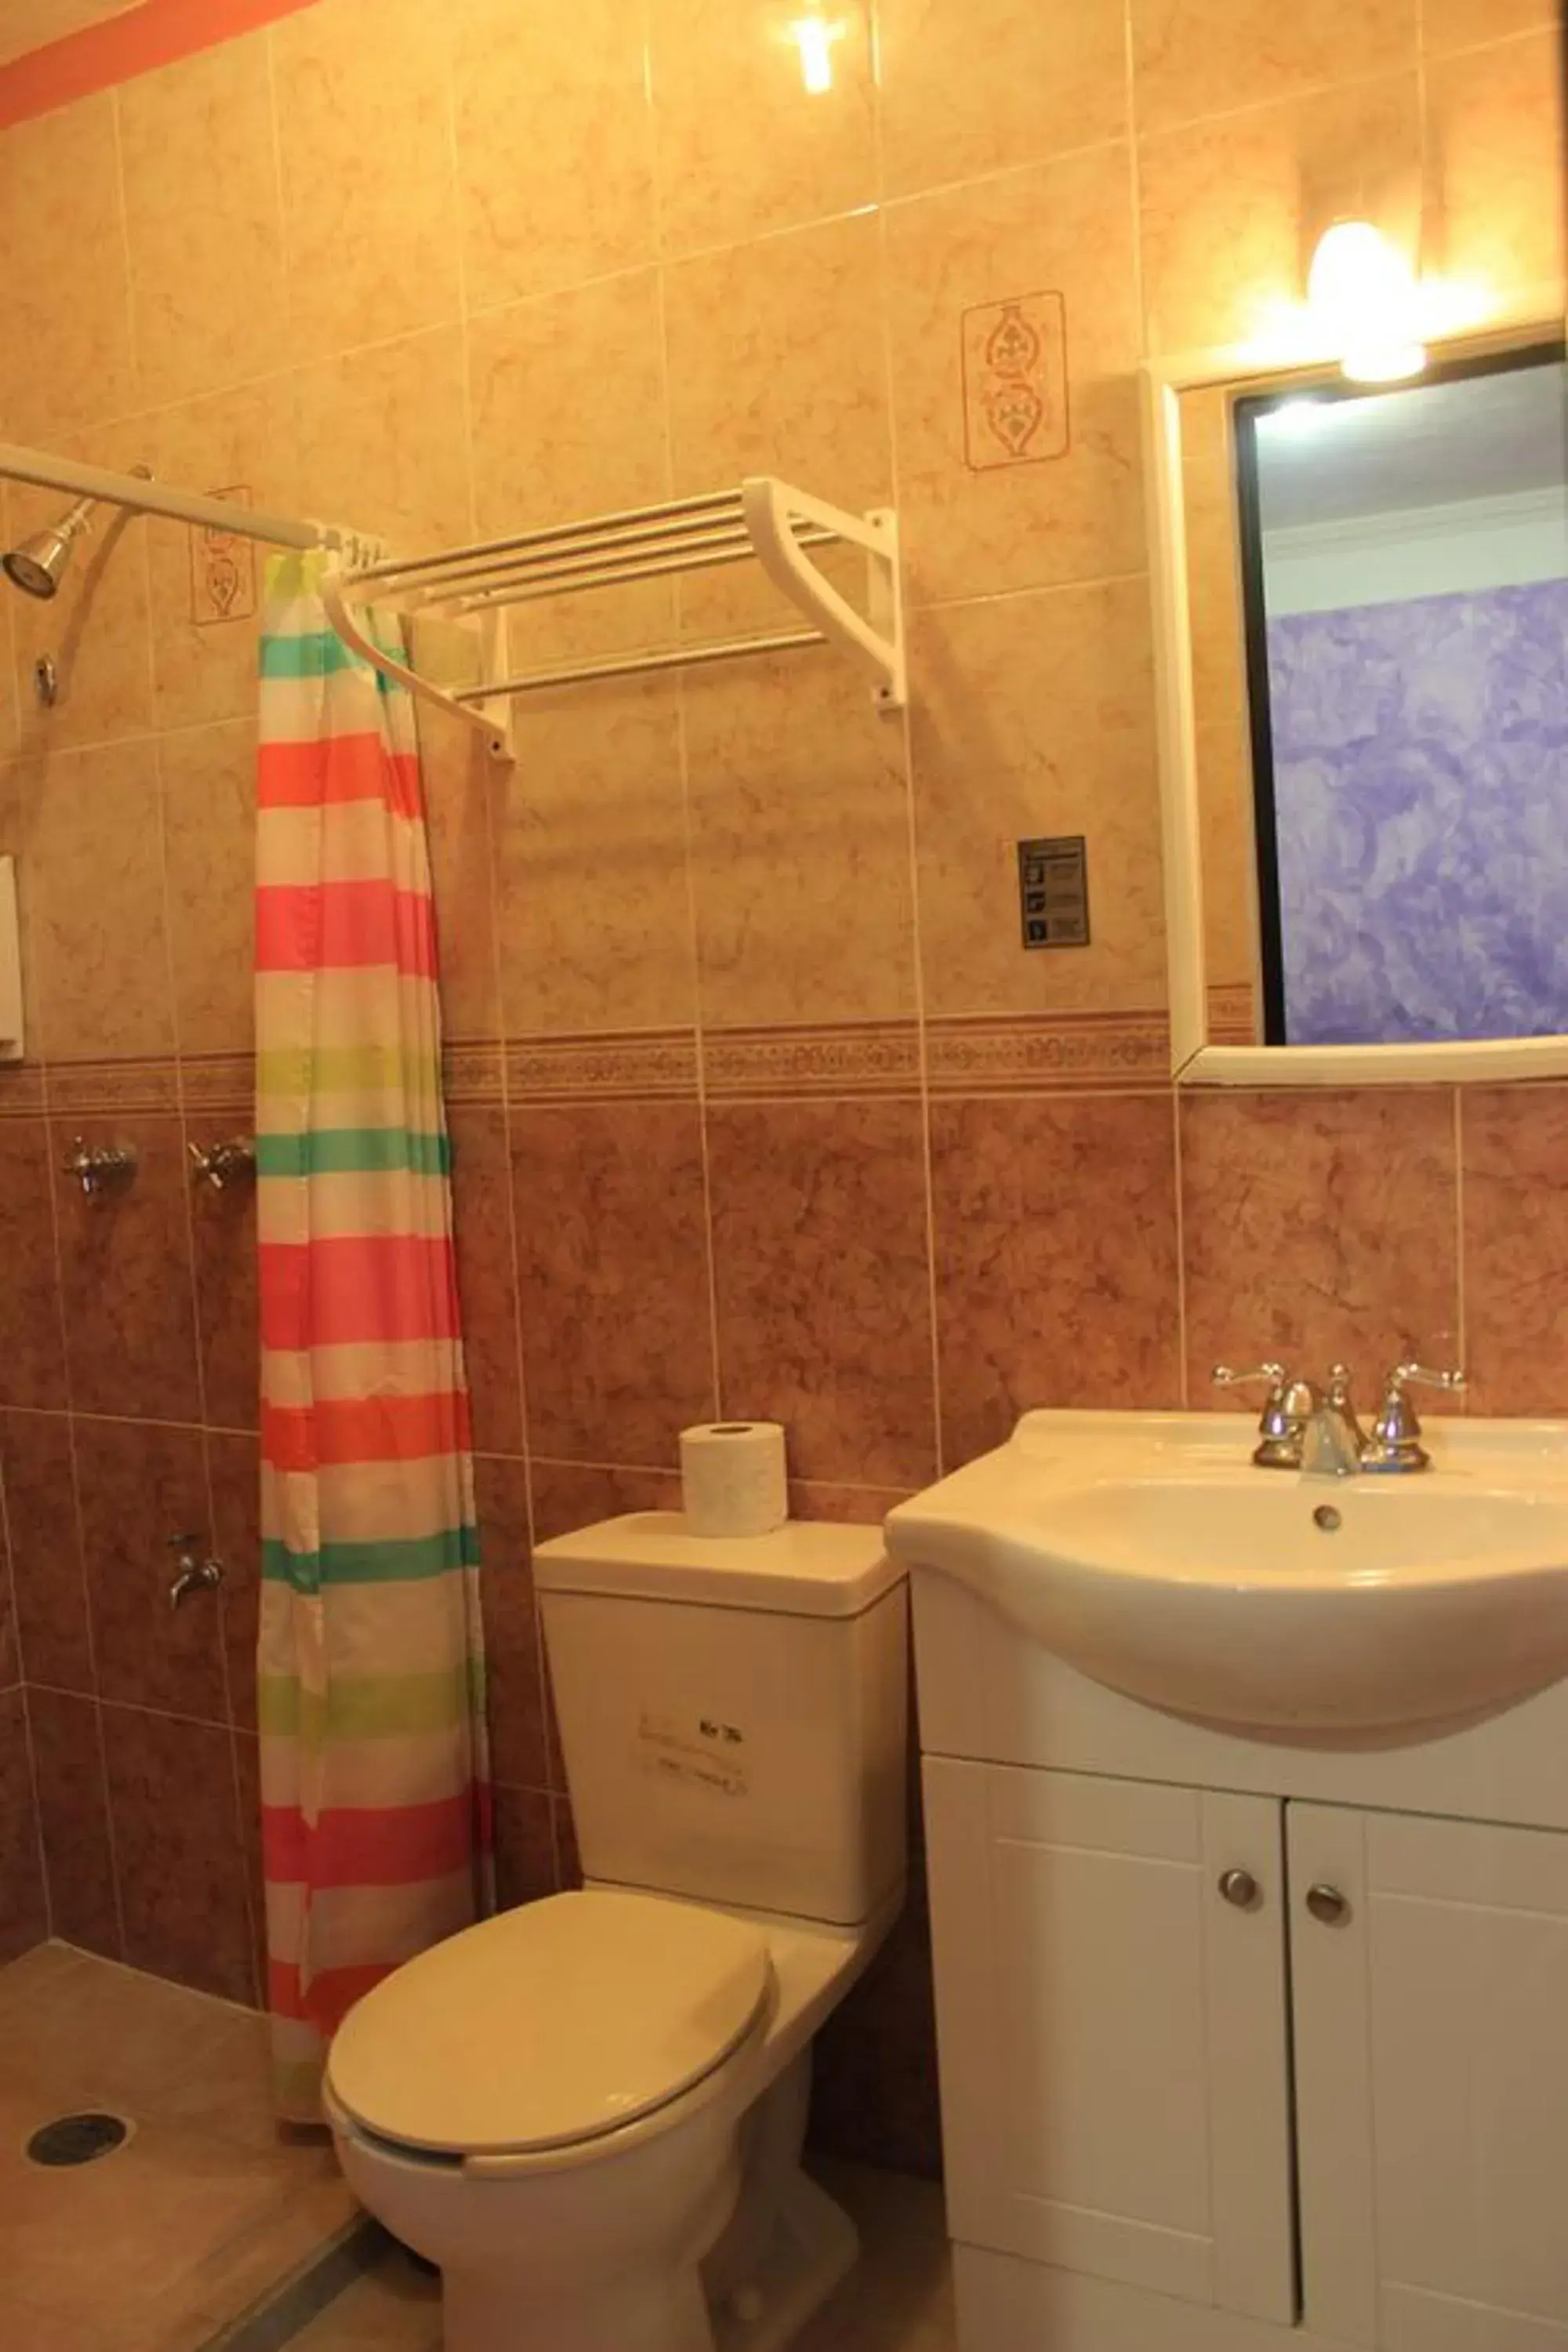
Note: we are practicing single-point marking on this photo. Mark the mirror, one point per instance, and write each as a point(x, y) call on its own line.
point(1362, 596)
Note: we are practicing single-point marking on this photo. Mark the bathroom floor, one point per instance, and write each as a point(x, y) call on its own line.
point(898, 2299)
point(204, 2209)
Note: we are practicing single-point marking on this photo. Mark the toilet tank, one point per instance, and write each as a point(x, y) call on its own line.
point(732, 1710)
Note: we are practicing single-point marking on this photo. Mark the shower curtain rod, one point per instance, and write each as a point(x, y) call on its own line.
point(46, 472)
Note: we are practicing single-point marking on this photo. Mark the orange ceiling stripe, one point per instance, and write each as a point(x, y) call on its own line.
point(155, 33)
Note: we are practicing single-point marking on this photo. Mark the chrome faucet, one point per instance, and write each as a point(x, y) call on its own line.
point(96, 1166)
point(1316, 1430)
point(223, 1164)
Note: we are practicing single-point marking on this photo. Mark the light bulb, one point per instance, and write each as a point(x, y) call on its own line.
point(814, 38)
point(1361, 292)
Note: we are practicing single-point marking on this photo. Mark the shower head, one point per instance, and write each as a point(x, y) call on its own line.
point(37, 565)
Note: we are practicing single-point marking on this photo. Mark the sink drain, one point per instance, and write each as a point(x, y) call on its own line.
point(78, 2139)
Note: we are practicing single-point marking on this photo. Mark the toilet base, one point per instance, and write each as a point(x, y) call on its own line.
point(811, 2245)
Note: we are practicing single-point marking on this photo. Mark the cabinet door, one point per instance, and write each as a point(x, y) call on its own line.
point(1111, 2030)
point(1431, 2024)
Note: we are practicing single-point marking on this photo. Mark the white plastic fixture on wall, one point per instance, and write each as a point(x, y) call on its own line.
point(1535, 315)
point(765, 520)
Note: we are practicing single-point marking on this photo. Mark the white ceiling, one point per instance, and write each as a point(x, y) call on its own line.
point(1421, 445)
point(33, 24)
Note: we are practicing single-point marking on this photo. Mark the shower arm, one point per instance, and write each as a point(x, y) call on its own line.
point(45, 471)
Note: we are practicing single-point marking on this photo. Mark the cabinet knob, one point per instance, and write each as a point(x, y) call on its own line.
point(1327, 1903)
point(1240, 1887)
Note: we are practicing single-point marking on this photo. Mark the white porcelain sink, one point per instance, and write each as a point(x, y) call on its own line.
point(1146, 1551)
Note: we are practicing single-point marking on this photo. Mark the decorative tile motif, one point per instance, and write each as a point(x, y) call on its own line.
point(650, 1066)
point(222, 567)
point(1053, 1053)
point(81, 1086)
point(21, 1089)
point(871, 1057)
point(1015, 382)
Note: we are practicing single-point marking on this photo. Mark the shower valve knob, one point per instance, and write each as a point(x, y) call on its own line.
point(223, 1164)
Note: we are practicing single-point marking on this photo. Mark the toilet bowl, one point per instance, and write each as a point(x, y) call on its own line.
point(634, 2189)
point(589, 2112)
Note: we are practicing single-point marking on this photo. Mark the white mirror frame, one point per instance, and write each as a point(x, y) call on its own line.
point(1537, 312)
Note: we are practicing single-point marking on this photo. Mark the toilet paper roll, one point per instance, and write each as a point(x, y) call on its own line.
point(732, 1477)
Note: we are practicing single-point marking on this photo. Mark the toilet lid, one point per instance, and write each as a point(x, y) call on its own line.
point(548, 2024)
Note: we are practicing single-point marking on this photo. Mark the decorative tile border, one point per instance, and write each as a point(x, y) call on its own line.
point(21, 1089)
point(152, 1085)
point(1043, 1053)
point(136, 41)
point(220, 1082)
point(641, 1066)
point(1232, 1020)
point(870, 1057)
point(471, 1070)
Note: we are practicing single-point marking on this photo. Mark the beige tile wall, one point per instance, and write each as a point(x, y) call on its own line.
point(759, 1104)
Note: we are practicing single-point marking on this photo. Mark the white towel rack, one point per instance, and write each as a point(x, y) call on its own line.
point(144, 495)
point(765, 521)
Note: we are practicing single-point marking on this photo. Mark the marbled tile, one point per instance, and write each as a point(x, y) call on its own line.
point(1033, 716)
point(463, 787)
point(46, 1550)
point(382, 439)
point(487, 1280)
point(247, 1779)
point(1319, 1226)
point(1056, 1268)
point(1496, 150)
point(223, 1235)
point(234, 1473)
point(800, 845)
point(571, 1494)
point(125, 1275)
point(141, 1487)
point(744, 145)
point(512, 1662)
point(32, 1340)
point(1514, 1161)
point(1214, 556)
point(972, 272)
point(93, 840)
point(587, 945)
point(364, 160)
point(823, 1283)
point(1227, 206)
point(569, 422)
point(627, 1065)
point(73, 1815)
point(1471, 24)
point(524, 1846)
point(874, 2081)
point(24, 1920)
point(11, 1667)
point(63, 362)
point(1195, 58)
point(571, 199)
point(205, 586)
point(209, 780)
point(95, 628)
point(971, 87)
point(861, 1506)
point(177, 1844)
point(749, 389)
point(612, 1250)
point(202, 225)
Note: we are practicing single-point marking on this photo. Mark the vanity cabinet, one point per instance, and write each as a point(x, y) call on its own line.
point(1225, 2071)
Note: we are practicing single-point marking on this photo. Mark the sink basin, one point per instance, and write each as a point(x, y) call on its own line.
point(1144, 1550)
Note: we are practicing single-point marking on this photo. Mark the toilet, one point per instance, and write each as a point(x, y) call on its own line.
point(589, 2112)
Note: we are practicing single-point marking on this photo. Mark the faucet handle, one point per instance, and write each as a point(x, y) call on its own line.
point(1395, 1440)
point(1223, 1377)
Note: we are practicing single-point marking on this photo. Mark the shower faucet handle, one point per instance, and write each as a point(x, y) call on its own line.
point(223, 1164)
point(96, 1166)
point(191, 1574)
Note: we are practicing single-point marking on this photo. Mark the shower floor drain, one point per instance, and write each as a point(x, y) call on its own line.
point(77, 2139)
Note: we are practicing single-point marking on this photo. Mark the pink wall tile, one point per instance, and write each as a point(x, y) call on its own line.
point(1514, 1156)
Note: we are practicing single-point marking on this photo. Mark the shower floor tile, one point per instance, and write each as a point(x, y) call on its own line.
point(207, 2205)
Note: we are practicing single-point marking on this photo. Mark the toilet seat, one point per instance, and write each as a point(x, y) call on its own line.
point(550, 2026)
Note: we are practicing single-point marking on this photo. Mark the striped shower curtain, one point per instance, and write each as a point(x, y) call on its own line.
point(375, 1801)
